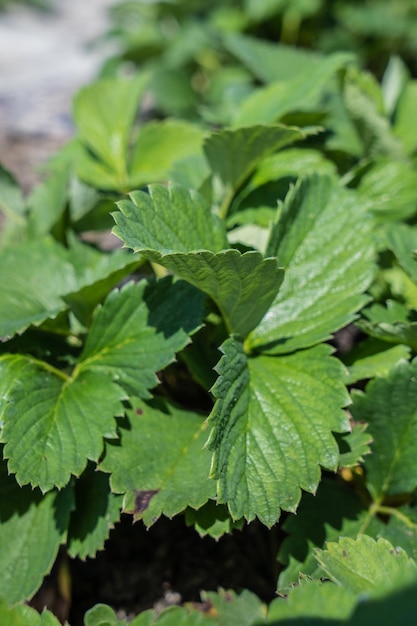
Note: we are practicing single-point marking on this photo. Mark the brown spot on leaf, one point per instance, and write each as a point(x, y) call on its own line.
point(142, 499)
point(139, 412)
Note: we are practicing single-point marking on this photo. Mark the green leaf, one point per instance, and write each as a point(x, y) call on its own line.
point(242, 285)
point(23, 615)
point(168, 220)
point(401, 529)
point(139, 329)
point(32, 527)
point(363, 100)
point(104, 113)
point(315, 523)
point(47, 203)
point(171, 88)
point(367, 567)
point(159, 146)
point(313, 599)
point(390, 323)
point(402, 240)
point(388, 189)
point(97, 273)
point(232, 609)
point(42, 278)
point(34, 277)
point(397, 608)
point(53, 423)
point(395, 332)
point(233, 154)
point(371, 358)
point(174, 616)
point(146, 618)
point(211, 519)
point(46, 410)
point(404, 126)
point(101, 615)
point(12, 208)
point(161, 466)
point(354, 445)
point(317, 240)
point(12, 202)
point(393, 84)
point(271, 61)
point(389, 406)
point(268, 438)
point(303, 91)
point(96, 511)
point(289, 163)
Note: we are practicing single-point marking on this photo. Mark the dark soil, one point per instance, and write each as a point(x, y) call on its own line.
point(167, 564)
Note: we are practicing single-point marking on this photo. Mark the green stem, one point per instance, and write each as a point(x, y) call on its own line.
point(52, 370)
point(225, 206)
point(378, 508)
point(291, 21)
point(388, 510)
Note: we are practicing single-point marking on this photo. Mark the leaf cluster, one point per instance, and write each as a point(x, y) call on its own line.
point(250, 351)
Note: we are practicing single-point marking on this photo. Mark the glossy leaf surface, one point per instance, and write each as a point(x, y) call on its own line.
point(268, 439)
point(317, 242)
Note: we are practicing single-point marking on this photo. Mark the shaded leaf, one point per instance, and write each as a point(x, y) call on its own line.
point(211, 519)
point(371, 358)
point(389, 323)
point(139, 329)
point(354, 445)
point(389, 407)
point(32, 527)
point(12, 202)
point(402, 240)
point(12, 208)
point(233, 154)
point(401, 529)
point(161, 465)
point(34, 277)
point(96, 511)
point(159, 146)
point(47, 203)
point(404, 126)
point(399, 607)
point(316, 522)
point(64, 417)
point(97, 273)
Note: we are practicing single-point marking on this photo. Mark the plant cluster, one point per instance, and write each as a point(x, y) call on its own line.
point(267, 207)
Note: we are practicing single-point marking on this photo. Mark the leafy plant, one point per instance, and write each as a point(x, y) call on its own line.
point(201, 370)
